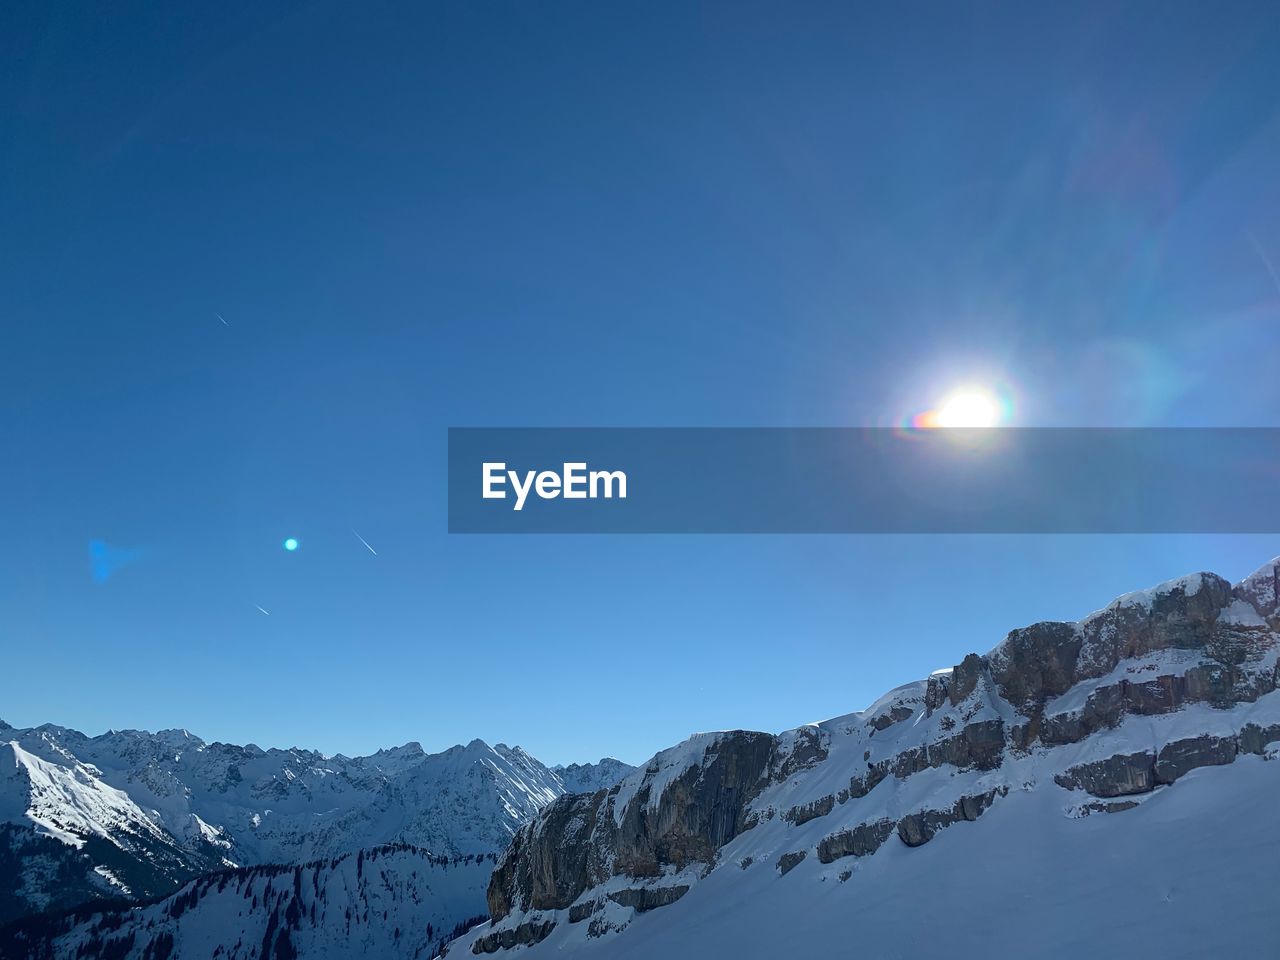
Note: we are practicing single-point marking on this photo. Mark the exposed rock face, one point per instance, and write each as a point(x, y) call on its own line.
point(789, 861)
point(1036, 663)
point(965, 678)
point(550, 866)
point(649, 898)
point(1181, 617)
point(535, 931)
point(811, 811)
point(1183, 756)
point(1261, 590)
point(978, 745)
point(580, 911)
point(1045, 661)
point(861, 785)
point(1117, 776)
point(919, 828)
point(1200, 613)
point(1255, 739)
point(894, 715)
point(580, 841)
point(1109, 806)
point(702, 809)
point(1108, 705)
point(861, 841)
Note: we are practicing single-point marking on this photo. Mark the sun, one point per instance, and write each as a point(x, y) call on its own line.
point(969, 408)
point(965, 407)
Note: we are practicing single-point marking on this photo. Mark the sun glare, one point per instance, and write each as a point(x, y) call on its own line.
point(969, 408)
point(965, 407)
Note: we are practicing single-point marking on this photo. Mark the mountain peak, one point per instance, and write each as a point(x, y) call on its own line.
point(1261, 589)
point(411, 748)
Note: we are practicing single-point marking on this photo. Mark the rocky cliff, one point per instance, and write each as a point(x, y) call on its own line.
point(1101, 721)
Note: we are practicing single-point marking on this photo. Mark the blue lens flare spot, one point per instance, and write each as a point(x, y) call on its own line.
point(291, 544)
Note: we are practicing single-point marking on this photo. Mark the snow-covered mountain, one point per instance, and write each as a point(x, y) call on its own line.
point(1101, 788)
point(134, 814)
point(396, 902)
point(590, 777)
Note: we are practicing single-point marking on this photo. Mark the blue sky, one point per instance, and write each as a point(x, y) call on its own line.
point(412, 216)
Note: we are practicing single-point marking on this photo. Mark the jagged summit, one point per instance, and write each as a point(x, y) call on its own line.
point(410, 749)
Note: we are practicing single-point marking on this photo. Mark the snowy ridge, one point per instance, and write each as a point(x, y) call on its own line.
point(67, 801)
point(590, 777)
point(1119, 765)
point(140, 813)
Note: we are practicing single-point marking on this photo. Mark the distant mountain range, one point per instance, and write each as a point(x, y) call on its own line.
point(1105, 787)
point(134, 814)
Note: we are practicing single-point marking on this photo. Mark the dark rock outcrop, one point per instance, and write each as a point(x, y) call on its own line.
point(919, 828)
point(530, 932)
point(580, 911)
point(810, 811)
point(965, 677)
point(789, 861)
point(1255, 739)
point(1107, 706)
point(978, 746)
point(862, 841)
point(895, 714)
point(1180, 617)
point(1118, 776)
point(553, 864)
point(576, 842)
point(860, 786)
point(1182, 756)
point(643, 899)
point(1261, 590)
point(698, 812)
point(1108, 806)
point(1036, 663)
point(936, 692)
